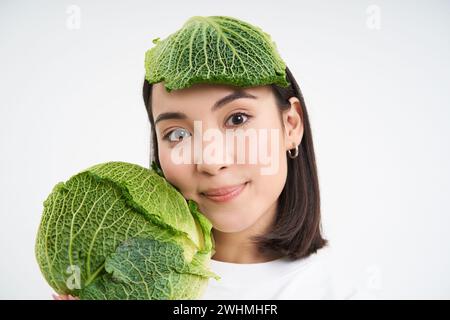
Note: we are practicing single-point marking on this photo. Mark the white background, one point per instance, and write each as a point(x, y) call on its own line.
point(378, 100)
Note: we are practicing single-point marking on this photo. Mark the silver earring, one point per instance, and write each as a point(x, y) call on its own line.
point(295, 153)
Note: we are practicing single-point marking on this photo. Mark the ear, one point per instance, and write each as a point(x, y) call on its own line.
point(293, 124)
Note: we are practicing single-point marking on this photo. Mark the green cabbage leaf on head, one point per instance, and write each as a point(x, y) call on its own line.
point(120, 231)
point(215, 49)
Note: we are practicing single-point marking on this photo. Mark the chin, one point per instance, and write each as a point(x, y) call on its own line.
point(230, 226)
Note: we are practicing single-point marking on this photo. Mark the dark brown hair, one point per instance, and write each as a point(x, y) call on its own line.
point(297, 229)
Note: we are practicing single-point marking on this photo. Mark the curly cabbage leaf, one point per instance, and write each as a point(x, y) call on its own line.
point(215, 49)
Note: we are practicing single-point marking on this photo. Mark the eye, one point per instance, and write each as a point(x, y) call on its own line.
point(239, 118)
point(176, 134)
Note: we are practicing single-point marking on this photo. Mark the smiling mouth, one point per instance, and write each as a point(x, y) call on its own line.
point(223, 195)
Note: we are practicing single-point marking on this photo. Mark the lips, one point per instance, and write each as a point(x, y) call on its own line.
point(222, 191)
point(225, 194)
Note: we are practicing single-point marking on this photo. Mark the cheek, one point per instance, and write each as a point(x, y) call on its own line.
point(269, 148)
point(178, 175)
point(276, 180)
point(273, 172)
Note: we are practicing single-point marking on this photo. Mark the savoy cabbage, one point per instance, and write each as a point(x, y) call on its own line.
point(120, 231)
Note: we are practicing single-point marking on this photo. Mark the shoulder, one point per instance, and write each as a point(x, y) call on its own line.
point(318, 276)
point(341, 276)
point(321, 275)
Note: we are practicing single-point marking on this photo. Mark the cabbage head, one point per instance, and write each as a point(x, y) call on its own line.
point(120, 231)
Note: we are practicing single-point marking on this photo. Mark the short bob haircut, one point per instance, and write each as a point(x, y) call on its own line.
point(297, 229)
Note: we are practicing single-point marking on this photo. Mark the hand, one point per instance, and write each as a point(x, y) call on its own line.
point(64, 297)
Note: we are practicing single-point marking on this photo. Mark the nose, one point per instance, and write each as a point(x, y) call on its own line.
point(215, 157)
point(210, 169)
point(212, 165)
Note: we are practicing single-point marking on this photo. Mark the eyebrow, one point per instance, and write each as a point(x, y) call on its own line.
point(237, 94)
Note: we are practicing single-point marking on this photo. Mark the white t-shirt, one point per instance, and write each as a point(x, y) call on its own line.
point(308, 278)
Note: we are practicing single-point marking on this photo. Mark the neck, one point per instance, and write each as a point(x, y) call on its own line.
point(237, 247)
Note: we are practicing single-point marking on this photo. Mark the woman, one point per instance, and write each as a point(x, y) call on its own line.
point(221, 79)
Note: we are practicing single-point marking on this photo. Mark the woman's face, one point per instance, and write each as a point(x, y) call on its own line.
point(256, 111)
